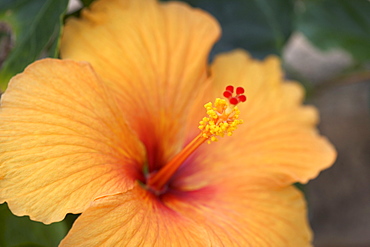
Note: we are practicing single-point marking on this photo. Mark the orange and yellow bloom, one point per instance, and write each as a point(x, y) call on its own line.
point(115, 131)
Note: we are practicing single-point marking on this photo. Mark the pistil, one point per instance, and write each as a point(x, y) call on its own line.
point(158, 180)
point(223, 118)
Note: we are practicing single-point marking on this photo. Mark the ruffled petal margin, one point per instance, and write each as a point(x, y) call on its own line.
point(208, 217)
point(277, 144)
point(154, 55)
point(63, 141)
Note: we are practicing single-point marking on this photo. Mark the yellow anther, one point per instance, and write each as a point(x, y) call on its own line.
point(222, 119)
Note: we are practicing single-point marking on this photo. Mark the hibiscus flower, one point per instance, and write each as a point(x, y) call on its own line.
point(117, 131)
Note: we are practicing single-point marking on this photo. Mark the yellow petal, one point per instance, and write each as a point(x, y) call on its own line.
point(154, 56)
point(134, 218)
point(278, 142)
point(208, 217)
point(63, 141)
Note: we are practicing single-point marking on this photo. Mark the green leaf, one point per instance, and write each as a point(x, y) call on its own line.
point(260, 26)
point(28, 245)
point(337, 24)
point(35, 29)
point(21, 231)
point(86, 3)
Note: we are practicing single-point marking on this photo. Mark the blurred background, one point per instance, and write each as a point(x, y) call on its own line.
point(324, 44)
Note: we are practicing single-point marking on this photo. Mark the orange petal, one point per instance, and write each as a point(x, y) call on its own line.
point(209, 217)
point(134, 218)
point(278, 139)
point(63, 141)
point(154, 56)
point(239, 213)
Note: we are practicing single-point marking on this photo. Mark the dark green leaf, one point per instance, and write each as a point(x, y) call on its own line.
point(87, 3)
point(70, 219)
point(35, 27)
point(29, 245)
point(301, 187)
point(338, 23)
point(260, 26)
point(21, 231)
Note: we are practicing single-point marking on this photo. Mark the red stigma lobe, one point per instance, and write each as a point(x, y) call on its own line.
point(234, 100)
